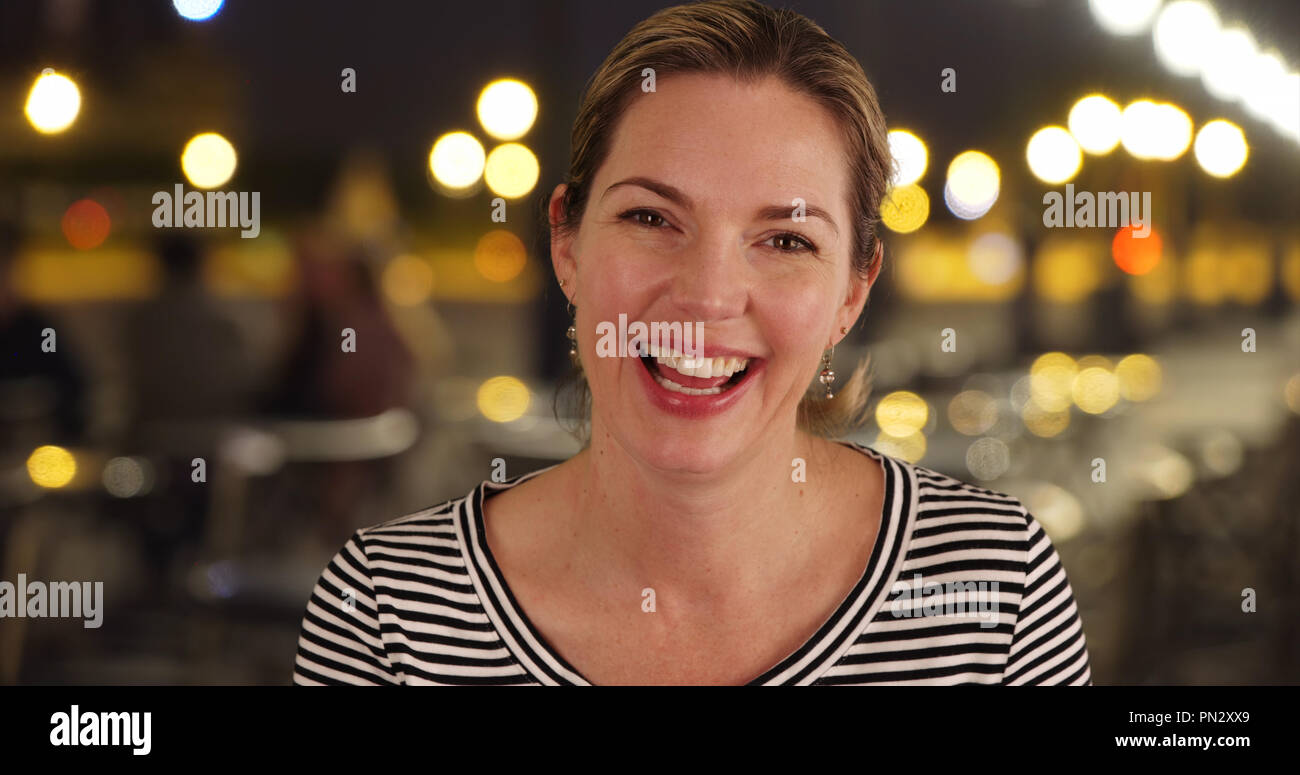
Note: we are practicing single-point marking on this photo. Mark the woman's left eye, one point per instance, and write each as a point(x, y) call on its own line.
point(800, 244)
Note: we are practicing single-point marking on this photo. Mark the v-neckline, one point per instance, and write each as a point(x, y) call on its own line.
point(803, 666)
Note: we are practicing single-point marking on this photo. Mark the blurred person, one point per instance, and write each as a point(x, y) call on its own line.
point(683, 545)
point(320, 381)
point(188, 359)
point(42, 394)
point(190, 379)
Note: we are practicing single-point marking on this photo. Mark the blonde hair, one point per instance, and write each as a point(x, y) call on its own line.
point(748, 41)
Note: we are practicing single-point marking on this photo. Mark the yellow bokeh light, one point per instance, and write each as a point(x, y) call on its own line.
point(503, 399)
point(208, 160)
point(456, 160)
point(973, 184)
point(910, 155)
point(507, 109)
point(1248, 271)
point(1044, 423)
point(512, 170)
point(1051, 378)
point(1099, 361)
point(53, 103)
point(1095, 124)
point(1067, 270)
point(1203, 276)
point(1095, 390)
point(901, 413)
point(1053, 155)
point(905, 209)
point(1291, 393)
point(408, 280)
point(909, 446)
point(51, 466)
point(500, 256)
point(1139, 377)
point(1155, 130)
point(1221, 148)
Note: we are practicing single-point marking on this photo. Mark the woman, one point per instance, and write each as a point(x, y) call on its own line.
point(709, 533)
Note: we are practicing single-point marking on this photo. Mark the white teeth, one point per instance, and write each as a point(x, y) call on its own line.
point(674, 387)
point(703, 368)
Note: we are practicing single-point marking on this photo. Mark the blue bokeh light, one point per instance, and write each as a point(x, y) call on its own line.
point(198, 10)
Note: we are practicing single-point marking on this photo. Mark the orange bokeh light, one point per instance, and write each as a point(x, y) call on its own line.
point(86, 224)
point(1136, 255)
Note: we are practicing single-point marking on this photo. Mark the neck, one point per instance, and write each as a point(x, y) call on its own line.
point(712, 539)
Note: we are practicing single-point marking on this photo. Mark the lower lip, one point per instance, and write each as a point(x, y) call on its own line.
point(696, 407)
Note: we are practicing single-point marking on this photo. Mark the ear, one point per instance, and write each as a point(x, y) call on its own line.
point(859, 290)
point(562, 261)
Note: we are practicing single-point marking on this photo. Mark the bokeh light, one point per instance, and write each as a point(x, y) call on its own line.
point(1139, 377)
point(973, 184)
point(1067, 270)
point(1051, 380)
point(1221, 148)
point(1095, 124)
point(1155, 130)
point(1124, 17)
point(902, 412)
point(972, 412)
point(910, 155)
point(988, 458)
point(408, 280)
point(208, 160)
point(1053, 155)
point(1185, 33)
point(53, 102)
point(507, 109)
point(456, 160)
point(51, 466)
point(1095, 389)
point(512, 170)
point(1265, 86)
point(500, 256)
point(995, 258)
point(1045, 423)
point(197, 10)
point(909, 446)
point(86, 224)
point(1227, 74)
point(1135, 254)
point(126, 477)
point(503, 399)
point(1291, 393)
point(905, 209)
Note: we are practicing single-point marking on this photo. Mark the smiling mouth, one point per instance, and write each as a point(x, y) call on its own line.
point(698, 377)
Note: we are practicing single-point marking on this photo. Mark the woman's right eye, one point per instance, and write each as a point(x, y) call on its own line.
point(652, 220)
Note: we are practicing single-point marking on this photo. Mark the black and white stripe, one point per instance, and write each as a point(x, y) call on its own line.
point(421, 600)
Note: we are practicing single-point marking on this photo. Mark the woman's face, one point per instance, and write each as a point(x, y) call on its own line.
point(691, 218)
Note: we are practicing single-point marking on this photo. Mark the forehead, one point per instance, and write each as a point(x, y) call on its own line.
point(720, 139)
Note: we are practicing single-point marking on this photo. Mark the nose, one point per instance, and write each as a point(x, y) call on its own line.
point(711, 279)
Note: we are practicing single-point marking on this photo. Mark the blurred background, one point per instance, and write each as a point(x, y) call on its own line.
point(178, 418)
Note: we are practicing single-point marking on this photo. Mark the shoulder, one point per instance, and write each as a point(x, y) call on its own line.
point(413, 542)
point(943, 498)
point(973, 525)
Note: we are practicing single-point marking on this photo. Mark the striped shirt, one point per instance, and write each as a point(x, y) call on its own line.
point(962, 587)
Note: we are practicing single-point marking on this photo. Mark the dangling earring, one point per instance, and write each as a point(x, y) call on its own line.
point(827, 377)
point(572, 333)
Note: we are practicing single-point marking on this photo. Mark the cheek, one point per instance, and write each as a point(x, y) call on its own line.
point(794, 312)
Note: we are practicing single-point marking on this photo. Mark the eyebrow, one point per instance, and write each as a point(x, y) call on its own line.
point(675, 195)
